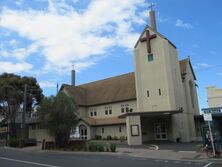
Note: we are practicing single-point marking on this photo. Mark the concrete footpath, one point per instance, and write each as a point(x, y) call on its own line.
point(167, 154)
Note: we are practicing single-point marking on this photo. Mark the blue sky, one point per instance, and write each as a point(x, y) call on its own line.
point(43, 38)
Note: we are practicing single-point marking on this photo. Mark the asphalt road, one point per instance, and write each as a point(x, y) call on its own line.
point(17, 158)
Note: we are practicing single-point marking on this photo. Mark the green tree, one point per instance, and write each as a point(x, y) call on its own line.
point(11, 96)
point(58, 114)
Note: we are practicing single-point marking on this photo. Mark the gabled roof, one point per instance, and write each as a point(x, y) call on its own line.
point(115, 89)
point(156, 33)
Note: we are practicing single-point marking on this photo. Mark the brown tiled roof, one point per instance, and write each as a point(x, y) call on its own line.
point(103, 121)
point(114, 89)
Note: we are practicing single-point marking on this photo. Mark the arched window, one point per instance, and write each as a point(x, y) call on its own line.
point(83, 132)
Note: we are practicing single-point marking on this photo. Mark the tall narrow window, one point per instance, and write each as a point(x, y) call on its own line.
point(120, 129)
point(159, 91)
point(122, 110)
point(148, 93)
point(127, 109)
point(106, 112)
point(91, 114)
point(102, 130)
point(95, 113)
point(150, 57)
point(110, 111)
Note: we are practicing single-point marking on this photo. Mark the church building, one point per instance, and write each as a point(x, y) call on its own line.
point(156, 102)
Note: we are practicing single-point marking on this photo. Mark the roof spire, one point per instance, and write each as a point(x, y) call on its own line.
point(152, 17)
point(151, 6)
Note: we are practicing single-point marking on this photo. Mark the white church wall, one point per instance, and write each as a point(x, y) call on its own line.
point(151, 76)
point(111, 130)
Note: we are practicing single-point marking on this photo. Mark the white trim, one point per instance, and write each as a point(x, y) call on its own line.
point(27, 162)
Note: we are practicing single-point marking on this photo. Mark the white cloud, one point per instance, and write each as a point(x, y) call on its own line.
point(47, 84)
point(19, 2)
point(201, 66)
point(19, 53)
point(10, 67)
point(66, 36)
point(182, 24)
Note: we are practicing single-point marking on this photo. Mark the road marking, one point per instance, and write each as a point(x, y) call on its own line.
point(187, 152)
point(210, 163)
point(156, 147)
point(28, 162)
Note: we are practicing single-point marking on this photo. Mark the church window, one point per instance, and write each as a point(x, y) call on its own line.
point(122, 110)
point(148, 93)
point(95, 113)
point(127, 109)
point(110, 111)
point(102, 130)
point(120, 129)
point(150, 57)
point(106, 112)
point(159, 91)
point(91, 114)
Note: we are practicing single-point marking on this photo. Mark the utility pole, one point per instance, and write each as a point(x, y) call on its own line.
point(24, 112)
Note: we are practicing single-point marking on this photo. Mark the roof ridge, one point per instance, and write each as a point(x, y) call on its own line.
point(104, 79)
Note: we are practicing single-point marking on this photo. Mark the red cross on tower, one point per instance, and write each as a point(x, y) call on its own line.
point(148, 38)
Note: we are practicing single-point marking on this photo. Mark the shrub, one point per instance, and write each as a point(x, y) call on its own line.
point(109, 137)
point(113, 147)
point(115, 138)
point(122, 138)
point(13, 142)
point(98, 137)
point(77, 144)
point(100, 148)
point(92, 147)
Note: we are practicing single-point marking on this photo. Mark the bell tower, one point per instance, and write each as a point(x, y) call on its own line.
point(157, 71)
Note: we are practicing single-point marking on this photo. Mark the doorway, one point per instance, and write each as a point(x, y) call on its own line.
point(160, 131)
point(83, 132)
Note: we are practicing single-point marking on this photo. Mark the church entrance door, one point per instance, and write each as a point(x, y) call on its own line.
point(160, 131)
point(83, 132)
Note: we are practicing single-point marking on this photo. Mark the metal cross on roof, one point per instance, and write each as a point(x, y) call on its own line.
point(151, 6)
point(148, 38)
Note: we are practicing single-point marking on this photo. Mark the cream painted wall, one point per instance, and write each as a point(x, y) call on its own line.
point(133, 140)
point(162, 73)
point(40, 134)
point(116, 109)
point(214, 96)
point(112, 130)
